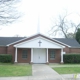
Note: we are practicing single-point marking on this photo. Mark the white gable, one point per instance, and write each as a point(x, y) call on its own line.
point(34, 43)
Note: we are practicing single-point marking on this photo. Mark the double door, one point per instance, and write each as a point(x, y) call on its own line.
point(39, 55)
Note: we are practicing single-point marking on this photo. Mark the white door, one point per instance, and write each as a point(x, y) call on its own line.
point(39, 55)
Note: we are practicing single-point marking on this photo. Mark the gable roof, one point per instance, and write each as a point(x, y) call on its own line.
point(38, 35)
point(4, 41)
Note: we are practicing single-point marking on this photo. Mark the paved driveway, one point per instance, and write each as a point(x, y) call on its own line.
point(40, 72)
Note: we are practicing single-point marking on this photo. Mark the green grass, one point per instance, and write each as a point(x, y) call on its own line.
point(64, 65)
point(15, 70)
point(67, 70)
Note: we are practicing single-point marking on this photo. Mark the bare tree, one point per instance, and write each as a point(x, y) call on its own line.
point(8, 12)
point(63, 25)
point(71, 35)
point(75, 26)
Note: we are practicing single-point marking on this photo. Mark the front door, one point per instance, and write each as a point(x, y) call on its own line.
point(39, 55)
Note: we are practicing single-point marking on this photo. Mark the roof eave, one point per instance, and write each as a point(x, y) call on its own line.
point(74, 47)
point(42, 35)
point(3, 46)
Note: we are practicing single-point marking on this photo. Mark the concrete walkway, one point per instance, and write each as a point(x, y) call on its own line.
point(40, 72)
point(44, 72)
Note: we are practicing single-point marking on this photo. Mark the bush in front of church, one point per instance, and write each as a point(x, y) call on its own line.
point(71, 58)
point(5, 58)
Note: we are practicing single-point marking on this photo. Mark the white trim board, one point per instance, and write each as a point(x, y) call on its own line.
point(33, 43)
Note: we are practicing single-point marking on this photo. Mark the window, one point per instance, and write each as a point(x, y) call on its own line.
point(52, 54)
point(24, 54)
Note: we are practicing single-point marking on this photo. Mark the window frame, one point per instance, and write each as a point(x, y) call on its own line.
point(24, 54)
point(52, 54)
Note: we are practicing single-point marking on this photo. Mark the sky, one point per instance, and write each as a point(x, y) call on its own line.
point(40, 13)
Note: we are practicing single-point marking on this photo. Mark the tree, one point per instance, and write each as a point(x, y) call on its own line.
point(8, 12)
point(78, 35)
point(70, 35)
point(64, 26)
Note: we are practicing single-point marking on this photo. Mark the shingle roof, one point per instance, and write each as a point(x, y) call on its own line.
point(4, 41)
point(70, 42)
point(7, 40)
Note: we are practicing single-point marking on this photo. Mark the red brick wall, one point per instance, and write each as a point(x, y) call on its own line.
point(57, 56)
point(20, 59)
point(74, 50)
point(71, 50)
point(3, 50)
point(67, 50)
point(11, 50)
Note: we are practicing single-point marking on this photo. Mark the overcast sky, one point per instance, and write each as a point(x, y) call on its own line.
point(44, 11)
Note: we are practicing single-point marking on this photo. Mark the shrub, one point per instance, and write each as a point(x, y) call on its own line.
point(5, 58)
point(71, 58)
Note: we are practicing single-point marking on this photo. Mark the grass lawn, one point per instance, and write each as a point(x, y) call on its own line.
point(15, 70)
point(67, 70)
point(64, 65)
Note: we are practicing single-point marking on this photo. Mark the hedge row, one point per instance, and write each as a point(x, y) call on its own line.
point(71, 58)
point(5, 58)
